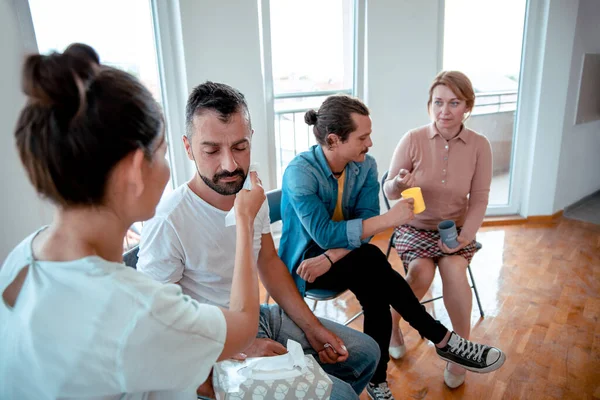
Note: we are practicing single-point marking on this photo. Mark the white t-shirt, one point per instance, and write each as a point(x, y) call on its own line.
point(90, 328)
point(187, 242)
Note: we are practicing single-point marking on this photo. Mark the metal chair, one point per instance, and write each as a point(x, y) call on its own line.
point(130, 258)
point(316, 295)
point(391, 244)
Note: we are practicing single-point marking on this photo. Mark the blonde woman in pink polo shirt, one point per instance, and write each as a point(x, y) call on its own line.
point(453, 167)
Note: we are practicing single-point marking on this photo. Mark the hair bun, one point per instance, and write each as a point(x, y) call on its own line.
point(83, 52)
point(310, 117)
point(61, 80)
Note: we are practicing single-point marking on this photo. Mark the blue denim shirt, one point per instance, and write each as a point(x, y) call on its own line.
point(309, 196)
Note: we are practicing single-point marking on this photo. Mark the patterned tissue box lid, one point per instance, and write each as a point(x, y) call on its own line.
point(314, 384)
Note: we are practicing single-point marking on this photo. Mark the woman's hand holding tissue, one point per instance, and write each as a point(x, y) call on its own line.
point(248, 202)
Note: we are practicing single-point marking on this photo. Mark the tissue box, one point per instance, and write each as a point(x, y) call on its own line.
point(310, 382)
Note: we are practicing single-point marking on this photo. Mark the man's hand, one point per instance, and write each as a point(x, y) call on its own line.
point(331, 349)
point(312, 268)
point(261, 348)
point(402, 212)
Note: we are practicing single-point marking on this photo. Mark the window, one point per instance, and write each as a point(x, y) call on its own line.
point(122, 33)
point(484, 40)
point(312, 55)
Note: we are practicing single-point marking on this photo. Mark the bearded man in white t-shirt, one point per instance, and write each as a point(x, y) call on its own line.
point(188, 243)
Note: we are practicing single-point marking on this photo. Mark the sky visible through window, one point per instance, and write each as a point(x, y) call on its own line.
point(120, 31)
point(483, 39)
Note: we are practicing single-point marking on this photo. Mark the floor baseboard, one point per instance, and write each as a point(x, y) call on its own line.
point(518, 220)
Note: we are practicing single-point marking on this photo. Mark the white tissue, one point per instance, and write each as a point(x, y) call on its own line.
point(286, 366)
point(230, 217)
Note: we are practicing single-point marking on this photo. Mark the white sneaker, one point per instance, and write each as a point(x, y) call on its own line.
point(451, 380)
point(397, 352)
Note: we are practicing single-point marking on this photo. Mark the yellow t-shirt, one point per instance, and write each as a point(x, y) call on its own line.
point(338, 215)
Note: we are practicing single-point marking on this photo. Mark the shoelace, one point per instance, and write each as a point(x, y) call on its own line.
point(383, 391)
point(470, 350)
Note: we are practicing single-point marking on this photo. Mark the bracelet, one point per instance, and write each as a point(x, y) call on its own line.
point(329, 258)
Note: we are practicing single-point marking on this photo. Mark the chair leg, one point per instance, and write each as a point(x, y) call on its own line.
point(267, 298)
point(358, 314)
point(424, 309)
point(476, 292)
point(314, 307)
point(390, 245)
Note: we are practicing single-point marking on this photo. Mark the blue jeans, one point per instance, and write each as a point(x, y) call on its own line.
point(350, 377)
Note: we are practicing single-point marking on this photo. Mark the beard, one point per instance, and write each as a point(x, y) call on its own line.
point(225, 188)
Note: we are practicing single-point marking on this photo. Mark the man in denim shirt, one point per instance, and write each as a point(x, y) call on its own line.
point(330, 211)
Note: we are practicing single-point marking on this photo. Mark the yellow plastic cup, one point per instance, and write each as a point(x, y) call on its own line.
point(415, 193)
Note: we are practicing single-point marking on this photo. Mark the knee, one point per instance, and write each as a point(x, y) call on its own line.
point(376, 261)
point(353, 375)
point(421, 274)
point(454, 271)
point(364, 351)
point(370, 265)
point(372, 252)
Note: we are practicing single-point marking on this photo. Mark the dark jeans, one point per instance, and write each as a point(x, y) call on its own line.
point(377, 286)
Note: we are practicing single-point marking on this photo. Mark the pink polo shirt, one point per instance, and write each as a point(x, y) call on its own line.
point(454, 176)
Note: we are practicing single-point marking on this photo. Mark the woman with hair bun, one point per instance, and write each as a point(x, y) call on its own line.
point(75, 322)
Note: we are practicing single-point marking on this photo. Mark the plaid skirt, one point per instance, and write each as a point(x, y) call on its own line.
point(412, 243)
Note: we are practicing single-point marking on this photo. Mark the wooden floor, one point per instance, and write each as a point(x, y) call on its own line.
point(540, 290)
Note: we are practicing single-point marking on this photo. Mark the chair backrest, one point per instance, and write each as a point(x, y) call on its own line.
point(130, 258)
point(385, 199)
point(274, 199)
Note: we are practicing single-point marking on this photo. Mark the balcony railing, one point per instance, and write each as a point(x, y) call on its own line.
point(494, 102)
point(293, 136)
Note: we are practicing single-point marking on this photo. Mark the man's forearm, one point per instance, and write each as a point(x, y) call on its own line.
point(375, 225)
point(337, 254)
point(280, 285)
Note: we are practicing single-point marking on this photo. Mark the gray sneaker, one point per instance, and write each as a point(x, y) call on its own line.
point(380, 391)
point(471, 356)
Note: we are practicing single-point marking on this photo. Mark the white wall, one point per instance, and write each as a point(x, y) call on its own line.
point(221, 41)
point(403, 43)
point(402, 58)
point(222, 44)
point(579, 167)
point(557, 32)
point(21, 211)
